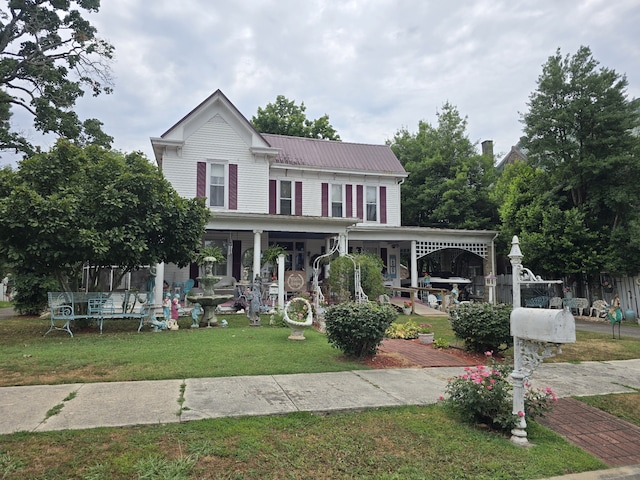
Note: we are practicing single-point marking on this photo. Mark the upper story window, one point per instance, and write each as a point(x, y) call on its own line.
point(217, 185)
point(286, 197)
point(371, 198)
point(218, 182)
point(336, 201)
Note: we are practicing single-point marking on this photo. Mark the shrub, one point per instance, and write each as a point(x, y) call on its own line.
point(407, 330)
point(440, 343)
point(482, 326)
point(483, 394)
point(358, 329)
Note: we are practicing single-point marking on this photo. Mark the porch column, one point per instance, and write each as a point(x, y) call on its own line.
point(257, 253)
point(327, 249)
point(414, 264)
point(342, 245)
point(281, 282)
point(159, 285)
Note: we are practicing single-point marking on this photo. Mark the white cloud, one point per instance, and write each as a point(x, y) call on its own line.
point(374, 66)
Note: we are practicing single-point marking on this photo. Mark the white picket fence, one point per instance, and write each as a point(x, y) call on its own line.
point(627, 288)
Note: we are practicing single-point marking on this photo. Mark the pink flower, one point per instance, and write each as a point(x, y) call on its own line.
point(488, 353)
point(521, 414)
point(440, 397)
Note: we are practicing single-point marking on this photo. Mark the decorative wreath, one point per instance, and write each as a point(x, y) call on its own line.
point(298, 307)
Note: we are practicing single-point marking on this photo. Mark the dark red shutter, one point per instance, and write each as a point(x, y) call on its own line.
point(201, 179)
point(298, 198)
point(272, 197)
point(383, 204)
point(325, 199)
point(233, 186)
point(349, 200)
point(360, 201)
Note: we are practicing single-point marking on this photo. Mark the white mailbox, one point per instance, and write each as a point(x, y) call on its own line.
point(543, 325)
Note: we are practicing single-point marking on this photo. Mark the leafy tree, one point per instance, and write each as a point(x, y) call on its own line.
point(448, 183)
point(50, 55)
point(284, 117)
point(72, 206)
point(581, 214)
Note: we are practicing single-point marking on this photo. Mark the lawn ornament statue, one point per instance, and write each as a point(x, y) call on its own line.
point(196, 311)
point(175, 307)
point(158, 325)
point(166, 307)
point(615, 316)
point(254, 296)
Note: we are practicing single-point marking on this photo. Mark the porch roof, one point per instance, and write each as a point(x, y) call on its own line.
point(285, 223)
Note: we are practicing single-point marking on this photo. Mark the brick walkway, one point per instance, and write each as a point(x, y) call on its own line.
point(423, 355)
point(612, 440)
point(606, 437)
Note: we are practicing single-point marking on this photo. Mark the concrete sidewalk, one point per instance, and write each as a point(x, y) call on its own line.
point(90, 405)
point(119, 404)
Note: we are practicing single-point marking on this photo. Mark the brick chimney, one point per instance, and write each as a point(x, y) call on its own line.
point(487, 148)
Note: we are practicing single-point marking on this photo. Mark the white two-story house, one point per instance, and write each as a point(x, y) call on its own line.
point(301, 194)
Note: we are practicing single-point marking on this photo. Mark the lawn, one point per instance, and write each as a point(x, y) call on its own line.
point(398, 443)
point(121, 353)
point(390, 443)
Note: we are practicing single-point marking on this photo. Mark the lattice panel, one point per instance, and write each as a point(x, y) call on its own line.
point(425, 248)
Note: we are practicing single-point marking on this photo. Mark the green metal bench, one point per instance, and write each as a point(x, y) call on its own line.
point(537, 302)
point(66, 307)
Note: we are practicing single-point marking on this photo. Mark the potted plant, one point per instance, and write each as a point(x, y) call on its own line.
point(298, 314)
point(210, 251)
point(406, 307)
point(270, 257)
point(425, 333)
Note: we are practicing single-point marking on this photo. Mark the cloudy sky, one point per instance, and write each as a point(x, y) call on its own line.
point(374, 66)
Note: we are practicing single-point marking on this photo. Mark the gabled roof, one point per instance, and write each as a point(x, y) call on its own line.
point(516, 154)
point(295, 151)
point(328, 154)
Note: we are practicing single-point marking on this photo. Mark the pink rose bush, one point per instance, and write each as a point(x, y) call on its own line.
point(483, 394)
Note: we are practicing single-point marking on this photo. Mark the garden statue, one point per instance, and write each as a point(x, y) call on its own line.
point(166, 307)
point(158, 325)
point(255, 302)
point(614, 314)
point(172, 324)
point(175, 306)
point(196, 311)
point(455, 293)
point(151, 286)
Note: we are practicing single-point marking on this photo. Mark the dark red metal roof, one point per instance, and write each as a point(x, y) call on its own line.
point(335, 155)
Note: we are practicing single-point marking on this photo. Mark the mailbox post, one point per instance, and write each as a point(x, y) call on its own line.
point(537, 334)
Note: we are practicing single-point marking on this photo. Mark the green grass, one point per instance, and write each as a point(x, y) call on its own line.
point(390, 443)
point(121, 353)
point(623, 405)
